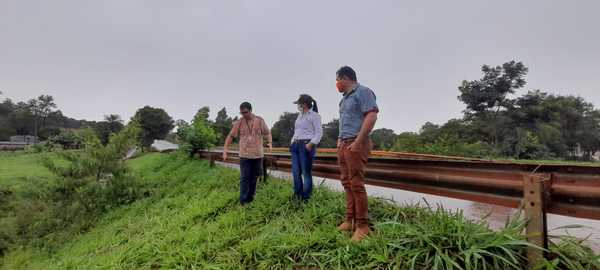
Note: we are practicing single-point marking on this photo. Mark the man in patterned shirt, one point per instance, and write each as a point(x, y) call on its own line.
point(251, 131)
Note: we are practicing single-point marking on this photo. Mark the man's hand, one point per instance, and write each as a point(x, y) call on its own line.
point(309, 146)
point(339, 143)
point(355, 146)
point(224, 155)
point(270, 145)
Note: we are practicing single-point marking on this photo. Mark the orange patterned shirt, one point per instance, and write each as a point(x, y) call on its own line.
point(251, 135)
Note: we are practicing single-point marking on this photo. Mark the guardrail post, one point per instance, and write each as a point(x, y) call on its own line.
point(264, 168)
point(212, 160)
point(534, 196)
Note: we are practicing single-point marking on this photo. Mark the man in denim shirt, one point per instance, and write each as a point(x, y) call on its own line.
point(358, 114)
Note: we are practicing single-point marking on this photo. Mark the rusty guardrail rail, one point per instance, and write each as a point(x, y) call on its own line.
point(570, 190)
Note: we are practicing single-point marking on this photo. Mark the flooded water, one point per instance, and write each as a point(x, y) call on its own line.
point(496, 216)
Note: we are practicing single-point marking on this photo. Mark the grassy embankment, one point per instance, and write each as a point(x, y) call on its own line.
point(191, 219)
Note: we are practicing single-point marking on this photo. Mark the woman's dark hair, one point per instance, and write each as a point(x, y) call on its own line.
point(308, 101)
point(347, 72)
point(246, 105)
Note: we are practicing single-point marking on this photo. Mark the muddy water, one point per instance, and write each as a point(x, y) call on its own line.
point(496, 216)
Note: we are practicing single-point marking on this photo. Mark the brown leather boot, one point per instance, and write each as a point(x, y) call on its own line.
point(347, 226)
point(360, 233)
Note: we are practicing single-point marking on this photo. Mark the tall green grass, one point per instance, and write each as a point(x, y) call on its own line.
point(191, 219)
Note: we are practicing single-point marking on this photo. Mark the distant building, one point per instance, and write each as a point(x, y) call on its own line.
point(28, 139)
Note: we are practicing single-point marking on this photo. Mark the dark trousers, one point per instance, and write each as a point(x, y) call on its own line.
point(250, 169)
point(302, 161)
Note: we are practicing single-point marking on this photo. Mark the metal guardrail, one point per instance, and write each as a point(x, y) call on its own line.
point(571, 190)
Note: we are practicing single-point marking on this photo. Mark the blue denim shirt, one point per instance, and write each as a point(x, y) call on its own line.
point(353, 108)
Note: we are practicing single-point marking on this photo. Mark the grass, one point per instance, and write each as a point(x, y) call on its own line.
point(18, 170)
point(192, 220)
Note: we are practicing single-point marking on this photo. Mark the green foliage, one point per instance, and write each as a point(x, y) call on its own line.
point(198, 135)
point(536, 125)
point(41, 147)
point(111, 124)
point(442, 145)
point(155, 124)
point(408, 142)
point(38, 115)
point(192, 220)
point(283, 129)
point(490, 93)
point(41, 108)
point(222, 125)
point(383, 138)
point(330, 134)
point(569, 252)
point(524, 144)
point(69, 139)
point(84, 185)
point(96, 160)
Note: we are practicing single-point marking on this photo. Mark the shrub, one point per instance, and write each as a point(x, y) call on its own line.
point(196, 136)
point(89, 182)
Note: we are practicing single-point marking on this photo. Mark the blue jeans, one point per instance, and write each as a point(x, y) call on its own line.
point(302, 161)
point(249, 172)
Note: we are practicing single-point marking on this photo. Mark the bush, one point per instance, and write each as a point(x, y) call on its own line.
point(196, 136)
point(70, 139)
point(87, 184)
point(443, 145)
point(41, 147)
point(525, 145)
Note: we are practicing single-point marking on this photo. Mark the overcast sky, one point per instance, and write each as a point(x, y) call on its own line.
point(106, 57)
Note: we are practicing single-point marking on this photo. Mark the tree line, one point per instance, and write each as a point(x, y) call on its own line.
point(495, 124)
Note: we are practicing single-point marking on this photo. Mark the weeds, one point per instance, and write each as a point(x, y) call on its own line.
point(192, 220)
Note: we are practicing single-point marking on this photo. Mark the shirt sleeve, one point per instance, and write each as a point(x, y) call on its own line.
point(316, 122)
point(235, 129)
point(265, 128)
point(366, 97)
point(294, 136)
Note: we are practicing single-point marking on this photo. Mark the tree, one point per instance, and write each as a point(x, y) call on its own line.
point(40, 108)
point(203, 113)
point(96, 160)
point(283, 129)
point(429, 132)
point(590, 134)
point(6, 129)
point(383, 138)
point(155, 124)
point(198, 135)
point(487, 97)
point(222, 125)
point(70, 139)
point(331, 133)
point(490, 92)
point(408, 142)
point(112, 124)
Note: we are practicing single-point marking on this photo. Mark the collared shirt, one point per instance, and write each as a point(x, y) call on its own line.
point(308, 127)
point(251, 134)
point(353, 108)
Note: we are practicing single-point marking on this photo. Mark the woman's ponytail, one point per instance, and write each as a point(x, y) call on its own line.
point(314, 106)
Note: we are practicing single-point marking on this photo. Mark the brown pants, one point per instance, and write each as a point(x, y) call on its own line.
point(352, 169)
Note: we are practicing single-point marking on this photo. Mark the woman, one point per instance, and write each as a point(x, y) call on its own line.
point(307, 135)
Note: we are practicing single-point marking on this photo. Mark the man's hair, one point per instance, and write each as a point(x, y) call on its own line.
point(246, 105)
point(347, 72)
